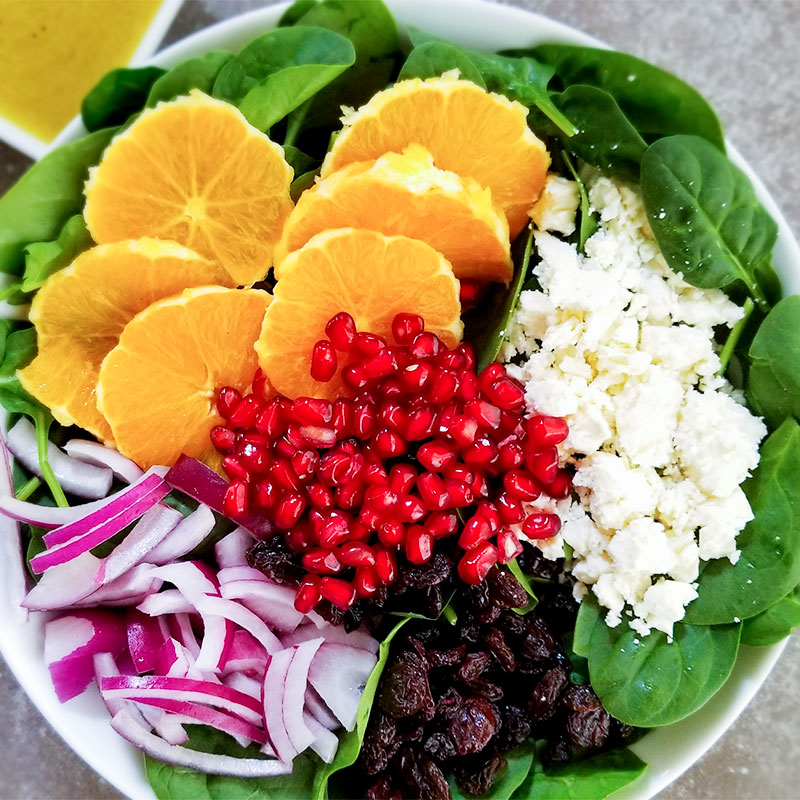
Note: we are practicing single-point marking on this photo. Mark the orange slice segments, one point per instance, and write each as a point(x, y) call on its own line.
point(195, 171)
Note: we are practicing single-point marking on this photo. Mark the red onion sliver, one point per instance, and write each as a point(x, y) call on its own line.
point(272, 603)
point(101, 456)
point(127, 727)
point(64, 585)
point(106, 667)
point(146, 636)
point(187, 535)
point(331, 633)
point(274, 693)
point(167, 726)
point(76, 477)
point(11, 547)
point(245, 655)
point(325, 743)
point(316, 706)
point(294, 694)
point(231, 550)
point(245, 684)
point(181, 628)
point(230, 574)
point(170, 601)
point(127, 590)
point(217, 640)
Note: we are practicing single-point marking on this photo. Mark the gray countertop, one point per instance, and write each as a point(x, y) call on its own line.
point(744, 55)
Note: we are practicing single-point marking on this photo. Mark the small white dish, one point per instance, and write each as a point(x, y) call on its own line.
point(669, 751)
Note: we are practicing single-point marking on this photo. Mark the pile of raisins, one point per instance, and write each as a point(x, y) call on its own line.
point(454, 698)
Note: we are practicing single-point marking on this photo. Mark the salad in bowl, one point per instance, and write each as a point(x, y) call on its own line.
point(391, 418)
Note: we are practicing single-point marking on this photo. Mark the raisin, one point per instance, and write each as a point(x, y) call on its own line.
point(559, 608)
point(447, 658)
point(423, 576)
point(581, 698)
point(353, 617)
point(470, 631)
point(422, 777)
point(382, 789)
point(588, 728)
point(475, 775)
point(380, 743)
point(489, 615)
point(556, 753)
point(432, 602)
point(473, 726)
point(516, 727)
point(404, 689)
point(506, 590)
point(533, 563)
point(473, 666)
point(479, 596)
point(449, 704)
point(543, 702)
point(538, 643)
point(440, 746)
point(275, 560)
point(512, 624)
point(499, 648)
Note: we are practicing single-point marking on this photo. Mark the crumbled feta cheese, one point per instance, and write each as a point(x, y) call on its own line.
point(557, 205)
point(623, 347)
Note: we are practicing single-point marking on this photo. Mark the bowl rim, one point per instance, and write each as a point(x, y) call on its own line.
point(482, 24)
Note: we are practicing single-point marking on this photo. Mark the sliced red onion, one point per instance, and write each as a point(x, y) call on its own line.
point(101, 456)
point(181, 629)
point(325, 743)
point(331, 633)
point(170, 601)
point(128, 590)
point(146, 636)
point(231, 550)
point(192, 578)
point(272, 603)
point(242, 573)
point(127, 727)
point(169, 659)
point(76, 477)
point(242, 616)
point(245, 684)
point(315, 705)
point(106, 667)
point(64, 585)
point(274, 692)
point(339, 673)
point(199, 481)
point(294, 694)
point(245, 655)
point(70, 643)
point(217, 640)
point(11, 543)
point(167, 726)
point(146, 535)
point(188, 534)
point(159, 686)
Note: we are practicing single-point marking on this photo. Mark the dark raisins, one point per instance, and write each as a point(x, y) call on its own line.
point(276, 561)
point(473, 666)
point(588, 728)
point(404, 688)
point(447, 658)
point(473, 726)
point(506, 591)
point(499, 648)
point(516, 727)
point(581, 698)
point(544, 699)
point(475, 775)
point(440, 746)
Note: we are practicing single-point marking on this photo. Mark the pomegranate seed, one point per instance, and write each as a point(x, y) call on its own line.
point(476, 530)
point(389, 444)
point(508, 394)
point(508, 546)
point(223, 439)
point(541, 526)
point(365, 419)
point(442, 387)
point(237, 500)
point(260, 385)
point(321, 561)
point(320, 496)
point(460, 473)
point(299, 538)
point(380, 365)
point(227, 400)
point(560, 487)
point(381, 498)
point(324, 362)
point(481, 453)
point(341, 593)
point(283, 447)
point(441, 523)
point(475, 564)
point(367, 345)
point(335, 468)
point(341, 330)
point(349, 496)
point(419, 545)
point(420, 423)
point(411, 509)
point(432, 491)
point(406, 326)
point(393, 416)
point(385, 565)
point(317, 520)
point(521, 485)
point(509, 508)
point(490, 375)
point(480, 486)
point(391, 389)
point(366, 581)
point(489, 512)
point(294, 436)
point(459, 494)
point(466, 350)
point(509, 425)
point(335, 529)
point(402, 478)
point(424, 346)
point(356, 554)
point(359, 532)
point(354, 377)
point(342, 416)
point(445, 418)
point(391, 533)
point(308, 594)
point(270, 419)
point(235, 469)
point(511, 456)
point(463, 429)
point(321, 438)
point(374, 474)
point(245, 414)
point(468, 388)
point(370, 518)
point(284, 476)
point(436, 456)
point(484, 413)
point(288, 510)
point(312, 411)
point(451, 359)
point(255, 438)
point(469, 292)
point(265, 495)
point(543, 464)
point(255, 457)
point(544, 430)
point(414, 378)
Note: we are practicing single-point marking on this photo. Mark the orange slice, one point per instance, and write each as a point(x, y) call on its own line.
point(194, 170)
point(157, 387)
point(80, 312)
point(406, 194)
point(471, 132)
point(371, 276)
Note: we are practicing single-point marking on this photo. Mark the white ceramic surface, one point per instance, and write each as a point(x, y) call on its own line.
point(34, 147)
point(83, 722)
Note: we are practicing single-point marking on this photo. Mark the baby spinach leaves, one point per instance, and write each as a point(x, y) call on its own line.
point(774, 624)
point(508, 779)
point(769, 565)
point(655, 101)
point(279, 71)
point(647, 681)
point(194, 73)
point(117, 95)
point(773, 385)
point(705, 215)
point(431, 59)
point(588, 221)
point(36, 207)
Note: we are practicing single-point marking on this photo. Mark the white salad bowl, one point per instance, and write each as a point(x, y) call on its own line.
point(84, 723)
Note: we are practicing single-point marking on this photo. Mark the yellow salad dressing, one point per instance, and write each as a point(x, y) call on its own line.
point(53, 51)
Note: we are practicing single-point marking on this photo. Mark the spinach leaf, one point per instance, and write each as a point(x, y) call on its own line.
point(508, 779)
point(435, 58)
point(279, 71)
point(647, 681)
point(774, 624)
point(36, 207)
point(769, 565)
point(117, 95)
point(657, 102)
point(596, 778)
point(295, 12)
point(588, 222)
point(773, 384)
point(194, 73)
point(486, 326)
point(299, 161)
point(301, 183)
point(350, 743)
point(19, 349)
point(705, 215)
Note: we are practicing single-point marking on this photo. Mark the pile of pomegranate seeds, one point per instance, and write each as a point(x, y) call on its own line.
point(424, 448)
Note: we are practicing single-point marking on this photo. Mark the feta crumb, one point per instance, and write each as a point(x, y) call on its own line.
point(557, 205)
